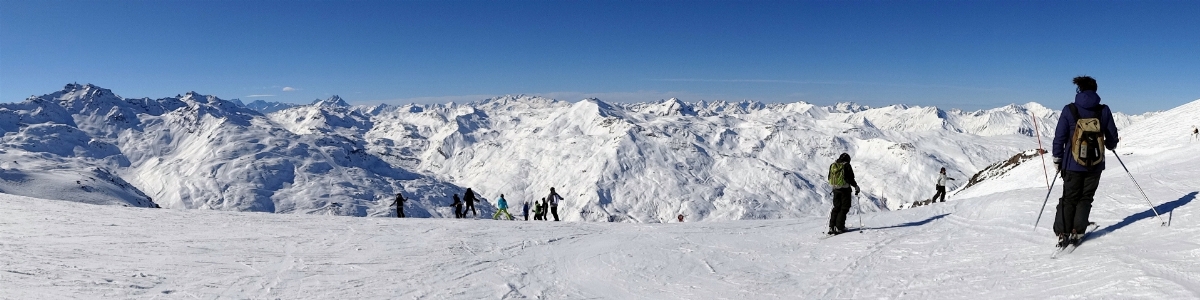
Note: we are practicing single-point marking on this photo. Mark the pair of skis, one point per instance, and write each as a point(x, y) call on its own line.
point(1059, 251)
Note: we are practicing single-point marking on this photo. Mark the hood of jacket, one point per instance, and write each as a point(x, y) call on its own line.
point(1087, 100)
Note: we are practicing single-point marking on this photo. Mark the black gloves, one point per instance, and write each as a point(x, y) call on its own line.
point(1058, 163)
point(856, 190)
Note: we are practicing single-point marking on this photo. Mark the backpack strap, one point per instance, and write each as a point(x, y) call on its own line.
point(1074, 111)
point(1097, 111)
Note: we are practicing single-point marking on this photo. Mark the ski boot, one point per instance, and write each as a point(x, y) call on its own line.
point(1075, 238)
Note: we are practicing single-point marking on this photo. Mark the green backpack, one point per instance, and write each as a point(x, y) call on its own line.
point(837, 175)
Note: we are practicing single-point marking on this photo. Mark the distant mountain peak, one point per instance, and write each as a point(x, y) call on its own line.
point(333, 101)
point(850, 107)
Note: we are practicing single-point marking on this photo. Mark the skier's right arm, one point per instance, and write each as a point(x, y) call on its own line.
point(1110, 131)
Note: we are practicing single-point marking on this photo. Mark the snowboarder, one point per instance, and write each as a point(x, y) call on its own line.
point(1085, 127)
point(941, 187)
point(469, 199)
point(553, 198)
point(841, 179)
point(458, 208)
point(502, 205)
point(399, 203)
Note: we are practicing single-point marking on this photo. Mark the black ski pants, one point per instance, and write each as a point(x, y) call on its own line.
point(554, 211)
point(841, 207)
point(1079, 190)
point(941, 192)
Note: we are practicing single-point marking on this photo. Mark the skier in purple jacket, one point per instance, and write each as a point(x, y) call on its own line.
point(1079, 181)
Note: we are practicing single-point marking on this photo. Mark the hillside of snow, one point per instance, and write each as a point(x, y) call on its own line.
point(643, 162)
point(981, 244)
point(197, 152)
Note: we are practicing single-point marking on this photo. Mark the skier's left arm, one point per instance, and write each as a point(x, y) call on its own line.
point(1110, 130)
point(849, 175)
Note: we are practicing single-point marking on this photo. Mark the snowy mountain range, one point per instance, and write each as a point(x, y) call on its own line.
point(642, 162)
point(980, 244)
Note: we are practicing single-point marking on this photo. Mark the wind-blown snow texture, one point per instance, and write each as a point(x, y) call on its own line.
point(645, 162)
point(979, 246)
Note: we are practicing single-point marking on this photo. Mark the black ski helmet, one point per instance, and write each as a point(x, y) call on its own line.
point(844, 157)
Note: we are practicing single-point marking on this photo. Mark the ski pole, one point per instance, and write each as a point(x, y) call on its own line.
point(1048, 191)
point(860, 211)
point(1139, 187)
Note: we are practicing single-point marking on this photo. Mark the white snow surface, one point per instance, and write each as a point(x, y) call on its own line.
point(980, 245)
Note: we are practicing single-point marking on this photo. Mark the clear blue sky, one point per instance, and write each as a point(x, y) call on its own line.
point(952, 54)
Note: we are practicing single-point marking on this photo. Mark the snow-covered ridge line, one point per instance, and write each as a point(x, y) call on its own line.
point(641, 162)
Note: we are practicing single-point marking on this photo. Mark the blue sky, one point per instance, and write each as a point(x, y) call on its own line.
point(950, 54)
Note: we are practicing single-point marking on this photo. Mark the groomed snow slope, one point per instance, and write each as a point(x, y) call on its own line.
point(980, 245)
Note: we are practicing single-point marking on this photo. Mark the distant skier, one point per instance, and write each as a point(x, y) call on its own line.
point(399, 203)
point(841, 178)
point(1195, 133)
point(1085, 128)
point(525, 209)
point(458, 208)
point(553, 198)
point(469, 199)
point(502, 208)
point(941, 187)
point(539, 210)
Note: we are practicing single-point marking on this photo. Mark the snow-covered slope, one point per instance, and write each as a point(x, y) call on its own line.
point(981, 245)
point(644, 162)
point(196, 151)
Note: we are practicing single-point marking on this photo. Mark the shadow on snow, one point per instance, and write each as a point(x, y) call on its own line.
point(1165, 208)
point(912, 224)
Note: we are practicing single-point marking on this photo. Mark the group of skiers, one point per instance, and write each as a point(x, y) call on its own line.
point(548, 205)
point(465, 204)
point(1085, 129)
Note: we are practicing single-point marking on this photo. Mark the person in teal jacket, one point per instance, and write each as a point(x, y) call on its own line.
point(503, 208)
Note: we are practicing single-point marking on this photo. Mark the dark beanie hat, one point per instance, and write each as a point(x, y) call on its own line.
point(844, 158)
